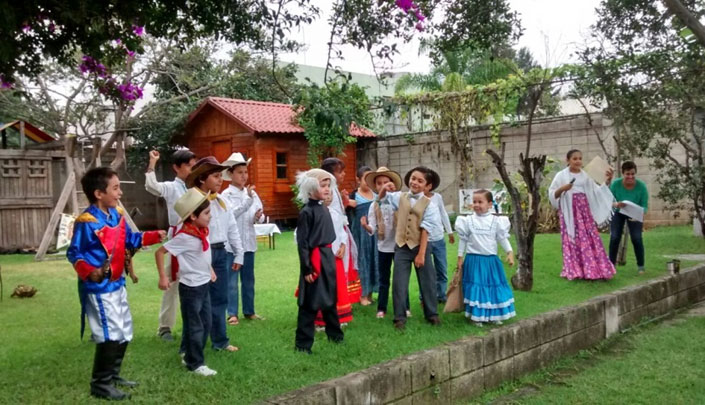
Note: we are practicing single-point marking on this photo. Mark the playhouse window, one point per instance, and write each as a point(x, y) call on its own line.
point(281, 165)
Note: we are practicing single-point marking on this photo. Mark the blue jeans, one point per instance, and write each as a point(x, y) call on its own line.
point(246, 276)
point(221, 261)
point(440, 262)
point(635, 230)
point(196, 316)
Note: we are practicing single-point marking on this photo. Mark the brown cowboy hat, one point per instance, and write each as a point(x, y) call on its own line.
point(205, 165)
point(435, 178)
point(383, 171)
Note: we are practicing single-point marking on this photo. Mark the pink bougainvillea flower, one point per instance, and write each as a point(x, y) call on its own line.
point(418, 15)
point(419, 26)
point(26, 28)
point(405, 5)
point(138, 30)
point(130, 54)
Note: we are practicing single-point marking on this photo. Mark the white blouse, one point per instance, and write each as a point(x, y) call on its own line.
point(387, 244)
point(479, 234)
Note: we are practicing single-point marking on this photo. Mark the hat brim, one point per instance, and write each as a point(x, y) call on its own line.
point(229, 165)
point(435, 178)
point(394, 176)
point(204, 168)
point(195, 207)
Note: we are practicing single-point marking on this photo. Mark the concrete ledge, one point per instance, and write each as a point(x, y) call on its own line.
point(466, 367)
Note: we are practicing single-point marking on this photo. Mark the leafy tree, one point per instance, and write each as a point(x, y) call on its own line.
point(326, 114)
point(652, 80)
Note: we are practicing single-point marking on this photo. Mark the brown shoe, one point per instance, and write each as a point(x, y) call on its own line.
point(434, 320)
point(399, 325)
point(254, 317)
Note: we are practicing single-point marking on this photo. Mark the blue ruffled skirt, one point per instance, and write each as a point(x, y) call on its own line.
point(487, 295)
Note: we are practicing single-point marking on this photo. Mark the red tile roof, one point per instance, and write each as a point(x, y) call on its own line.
point(262, 117)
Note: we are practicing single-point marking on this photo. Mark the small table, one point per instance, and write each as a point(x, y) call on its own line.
point(267, 231)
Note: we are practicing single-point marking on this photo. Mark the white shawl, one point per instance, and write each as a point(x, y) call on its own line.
point(342, 232)
point(599, 198)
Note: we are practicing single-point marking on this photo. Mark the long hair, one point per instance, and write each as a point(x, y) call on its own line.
point(309, 181)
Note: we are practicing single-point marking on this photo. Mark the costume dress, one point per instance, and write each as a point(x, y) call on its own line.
point(367, 265)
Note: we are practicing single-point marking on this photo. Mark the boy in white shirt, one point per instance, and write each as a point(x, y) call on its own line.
point(247, 208)
point(170, 191)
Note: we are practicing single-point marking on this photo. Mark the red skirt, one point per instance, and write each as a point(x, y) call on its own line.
point(343, 304)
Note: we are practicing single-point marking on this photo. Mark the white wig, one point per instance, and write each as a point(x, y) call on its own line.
point(309, 181)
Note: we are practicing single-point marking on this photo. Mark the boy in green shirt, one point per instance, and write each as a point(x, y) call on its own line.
point(628, 188)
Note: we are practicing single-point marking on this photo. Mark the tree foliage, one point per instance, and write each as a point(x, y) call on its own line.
point(652, 81)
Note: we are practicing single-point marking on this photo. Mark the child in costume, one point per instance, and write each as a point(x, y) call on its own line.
point(417, 217)
point(488, 297)
point(581, 203)
point(247, 208)
point(97, 253)
point(368, 268)
point(437, 245)
point(381, 220)
point(170, 191)
point(317, 281)
point(226, 246)
point(191, 248)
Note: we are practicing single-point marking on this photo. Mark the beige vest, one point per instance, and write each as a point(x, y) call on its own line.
point(409, 220)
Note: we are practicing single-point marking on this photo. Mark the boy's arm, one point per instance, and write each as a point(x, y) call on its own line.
point(76, 252)
point(136, 240)
point(371, 224)
point(235, 240)
point(302, 233)
point(159, 258)
point(239, 205)
point(151, 184)
point(420, 258)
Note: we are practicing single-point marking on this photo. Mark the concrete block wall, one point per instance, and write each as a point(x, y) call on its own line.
point(469, 366)
point(553, 138)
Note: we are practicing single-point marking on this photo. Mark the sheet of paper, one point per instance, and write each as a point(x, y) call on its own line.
point(633, 211)
point(596, 169)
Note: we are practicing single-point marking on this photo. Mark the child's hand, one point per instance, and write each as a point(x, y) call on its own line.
point(134, 278)
point(367, 228)
point(363, 221)
point(309, 278)
point(163, 283)
point(213, 276)
point(619, 205)
point(341, 252)
point(236, 266)
point(258, 214)
point(250, 189)
point(153, 155)
point(162, 235)
point(451, 238)
point(419, 260)
point(510, 258)
point(96, 275)
point(608, 176)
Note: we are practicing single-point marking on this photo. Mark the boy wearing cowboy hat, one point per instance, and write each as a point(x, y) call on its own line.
point(226, 245)
point(191, 248)
point(170, 191)
point(417, 217)
point(247, 208)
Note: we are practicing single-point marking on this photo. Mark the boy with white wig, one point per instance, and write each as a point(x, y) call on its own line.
point(317, 281)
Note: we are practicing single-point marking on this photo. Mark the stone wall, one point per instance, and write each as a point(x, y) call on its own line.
point(465, 368)
point(551, 137)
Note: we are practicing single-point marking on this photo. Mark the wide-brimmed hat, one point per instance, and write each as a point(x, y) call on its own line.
point(207, 164)
point(189, 202)
point(383, 171)
point(235, 159)
point(435, 178)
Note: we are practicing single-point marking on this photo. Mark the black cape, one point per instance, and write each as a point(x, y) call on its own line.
point(315, 229)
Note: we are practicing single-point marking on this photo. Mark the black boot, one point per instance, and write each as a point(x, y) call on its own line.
point(117, 380)
point(101, 381)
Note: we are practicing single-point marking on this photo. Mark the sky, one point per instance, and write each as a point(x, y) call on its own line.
point(552, 30)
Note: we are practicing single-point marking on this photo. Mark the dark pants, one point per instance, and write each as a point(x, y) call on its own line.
point(385, 261)
point(635, 230)
point(196, 315)
point(222, 262)
point(426, 276)
point(305, 328)
point(246, 276)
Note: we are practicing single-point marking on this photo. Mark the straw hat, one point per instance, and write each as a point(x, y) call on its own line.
point(383, 171)
point(187, 203)
point(435, 178)
point(235, 159)
point(207, 164)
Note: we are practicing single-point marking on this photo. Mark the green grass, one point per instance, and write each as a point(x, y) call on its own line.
point(655, 364)
point(43, 360)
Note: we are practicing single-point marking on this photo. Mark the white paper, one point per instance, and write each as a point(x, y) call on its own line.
point(596, 169)
point(63, 239)
point(632, 210)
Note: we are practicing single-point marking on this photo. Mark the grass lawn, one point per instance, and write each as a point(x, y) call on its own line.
point(655, 364)
point(43, 360)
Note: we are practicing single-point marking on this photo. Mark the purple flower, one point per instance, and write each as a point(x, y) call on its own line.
point(118, 42)
point(138, 30)
point(52, 27)
point(419, 26)
point(26, 27)
point(4, 84)
point(418, 15)
point(405, 5)
point(130, 54)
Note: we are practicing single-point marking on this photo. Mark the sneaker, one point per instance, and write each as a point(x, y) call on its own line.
point(380, 314)
point(408, 313)
point(321, 328)
point(166, 335)
point(498, 323)
point(205, 371)
point(479, 324)
point(641, 270)
point(183, 358)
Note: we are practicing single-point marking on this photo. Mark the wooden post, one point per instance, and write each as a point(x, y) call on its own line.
point(69, 147)
point(22, 137)
point(69, 187)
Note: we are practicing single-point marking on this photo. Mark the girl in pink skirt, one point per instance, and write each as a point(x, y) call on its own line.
point(581, 203)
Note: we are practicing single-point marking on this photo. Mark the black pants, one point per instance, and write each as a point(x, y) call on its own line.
point(635, 230)
point(385, 261)
point(426, 276)
point(196, 315)
point(305, 328)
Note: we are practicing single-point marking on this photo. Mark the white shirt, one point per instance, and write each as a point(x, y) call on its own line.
point(223, 229)
point(194, 263)
point(387, 244)
point(170, 191)
point(479, 234)
point(437, 199)
point(431, 220)
point(244, 208)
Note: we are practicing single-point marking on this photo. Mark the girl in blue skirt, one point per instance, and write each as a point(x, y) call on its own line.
point(486, 293)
